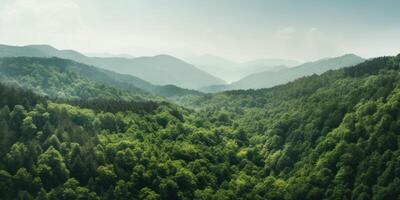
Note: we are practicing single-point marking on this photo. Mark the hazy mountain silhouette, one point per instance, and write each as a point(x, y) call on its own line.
point(271, 78)
point(232, 71)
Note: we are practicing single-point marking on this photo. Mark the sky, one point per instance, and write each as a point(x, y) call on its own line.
point(239, 30)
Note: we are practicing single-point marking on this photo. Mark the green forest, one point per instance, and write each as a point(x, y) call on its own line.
point(67, 135)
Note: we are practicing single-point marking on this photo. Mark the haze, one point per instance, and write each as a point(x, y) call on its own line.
point(237, 30)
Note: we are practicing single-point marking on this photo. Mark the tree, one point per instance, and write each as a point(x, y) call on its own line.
point(17, 156)
point(122, 190)
point(7, 137)
point(72, 190)
point(17, 116)
point(7, 189)
point(51, 168)
point(205, 194)
point(168, 189)
point(54, 142)
point(106, 177)
point(148, 194)
point(28, 128)
point(108, 122)
point(185, 179)
point(24, 180)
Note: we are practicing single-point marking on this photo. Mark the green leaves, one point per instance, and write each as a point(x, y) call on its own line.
point(51, 168)
point(332, 136)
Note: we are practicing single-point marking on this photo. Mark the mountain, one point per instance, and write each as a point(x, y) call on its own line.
point(233, 71)
point(165, 69)
point(159, 70)
point(164, 90)
point(329, 136)
point(48, 51)
point(270, 78)
point(67, 79)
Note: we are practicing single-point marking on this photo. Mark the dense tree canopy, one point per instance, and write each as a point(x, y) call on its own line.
point(333, 136)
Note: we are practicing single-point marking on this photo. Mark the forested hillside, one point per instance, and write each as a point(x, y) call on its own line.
point(329, 136)
point(60, 78)
point(158, 70)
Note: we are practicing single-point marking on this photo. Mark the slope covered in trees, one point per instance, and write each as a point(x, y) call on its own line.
point(158, 70)
point(329, 136)
point(58, 78)
point(62, 78)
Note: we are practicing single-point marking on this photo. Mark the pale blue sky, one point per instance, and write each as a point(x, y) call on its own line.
point(238, 30)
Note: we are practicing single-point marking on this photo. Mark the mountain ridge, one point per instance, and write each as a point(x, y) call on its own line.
point(268, 79)
point(328, 136)
point(232, 71)
point(152, 71)
point(96, 75)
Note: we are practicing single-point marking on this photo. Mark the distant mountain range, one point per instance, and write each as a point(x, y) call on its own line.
point(232, 71)
point(159, 70)
point(148, 73)
point(271, 78)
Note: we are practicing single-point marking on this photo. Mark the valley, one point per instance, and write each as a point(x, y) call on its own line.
point(199, 100)
point(321, 136)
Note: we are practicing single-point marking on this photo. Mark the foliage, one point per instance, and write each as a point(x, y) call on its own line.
point(333, 136)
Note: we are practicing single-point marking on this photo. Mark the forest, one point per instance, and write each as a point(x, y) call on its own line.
point(329, 136)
